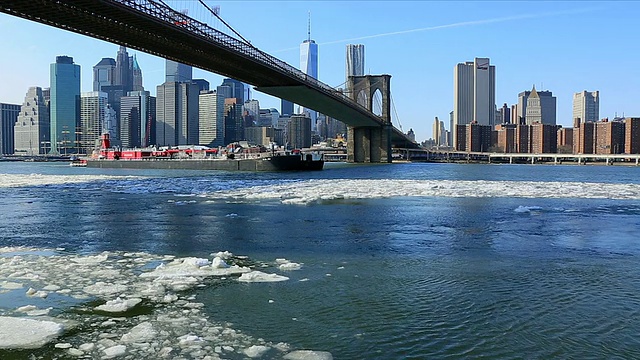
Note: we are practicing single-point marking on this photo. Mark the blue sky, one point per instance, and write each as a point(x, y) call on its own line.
point(563, 47)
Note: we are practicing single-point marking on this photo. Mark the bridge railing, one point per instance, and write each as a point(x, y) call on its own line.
point(164, 12)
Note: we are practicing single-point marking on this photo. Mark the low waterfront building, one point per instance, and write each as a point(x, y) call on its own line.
point(506, 135)
point(544, 138)
point(632, 135)
point(609, 137)
point(565, 140)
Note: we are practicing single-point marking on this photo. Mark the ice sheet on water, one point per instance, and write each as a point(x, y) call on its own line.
point(20, 180)
point(259, 276)
point(310, 191)
point(119, 305)
point(308, 355)
point(23, 333)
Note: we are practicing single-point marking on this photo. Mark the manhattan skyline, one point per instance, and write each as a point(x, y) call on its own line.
point(564, 47)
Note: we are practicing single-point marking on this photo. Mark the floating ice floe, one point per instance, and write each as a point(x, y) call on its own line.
point(180, 268)
point(256, 351)
point(285, 265)
point(259, 276)
point(119, 305)
point(23, 333)
point(19, 180)
point(308, 355)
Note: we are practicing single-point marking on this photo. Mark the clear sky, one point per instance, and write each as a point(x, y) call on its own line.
point(564, 47)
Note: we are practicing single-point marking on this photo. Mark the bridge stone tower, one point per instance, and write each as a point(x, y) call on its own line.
point(370, 144)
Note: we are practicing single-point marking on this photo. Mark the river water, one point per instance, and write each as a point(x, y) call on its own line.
point(402, 261)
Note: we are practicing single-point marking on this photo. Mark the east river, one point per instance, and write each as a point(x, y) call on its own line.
point(401, 261)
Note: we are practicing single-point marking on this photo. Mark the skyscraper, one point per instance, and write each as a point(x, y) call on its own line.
point(534, 109)
point(547, 108)
point(211, 119)
point(236, 90)
point(474, 93)
point(586, 106)
point(286, 107)
point(178, 72)
point(123, 71)
point(138, 119)
point(355, 60)
point(104, 73)
point(8, 116)
point(309, 66)
point(93, 107)
point(64, 105)
point(136, 75)
point(32, 132)
point(177, 114)
point(299, 132)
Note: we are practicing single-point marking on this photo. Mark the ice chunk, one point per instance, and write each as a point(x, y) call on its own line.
point(140, 333)
point(259, 276)
point(256, 351)
point(22, 333)
point(198, 262)
point(308, 355)
point(225, 255)
point(119, 305)
point(290, 266)
point(87, 346)
point(87, 260)
point(62, 345)
point(117, 350)
point(218, 263)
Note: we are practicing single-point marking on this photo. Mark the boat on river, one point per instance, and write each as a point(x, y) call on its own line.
point(203, 158)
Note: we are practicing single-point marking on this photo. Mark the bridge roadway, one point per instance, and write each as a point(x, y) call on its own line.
point(157, 29)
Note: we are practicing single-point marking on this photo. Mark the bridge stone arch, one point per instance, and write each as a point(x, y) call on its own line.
point(369, 84)
point(370, 144)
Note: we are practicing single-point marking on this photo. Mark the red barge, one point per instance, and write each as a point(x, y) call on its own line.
point(201, 158)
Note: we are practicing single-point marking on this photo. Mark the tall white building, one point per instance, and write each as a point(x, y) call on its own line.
point(31, 131)
point(211, 120)
point(439, 133)
point(547, 108)
point(586, 106)
point(474, 93)
point(355, 60)
point(534, 108)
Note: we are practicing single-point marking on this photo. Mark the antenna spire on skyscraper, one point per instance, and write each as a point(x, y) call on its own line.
point(309, 27)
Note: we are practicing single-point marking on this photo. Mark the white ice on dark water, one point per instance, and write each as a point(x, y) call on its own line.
point(24, 333)
point(259, 276)
point(19, 180)
point(176, 328)
point(308, 355)
point(309, 191)
point(284, 264)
